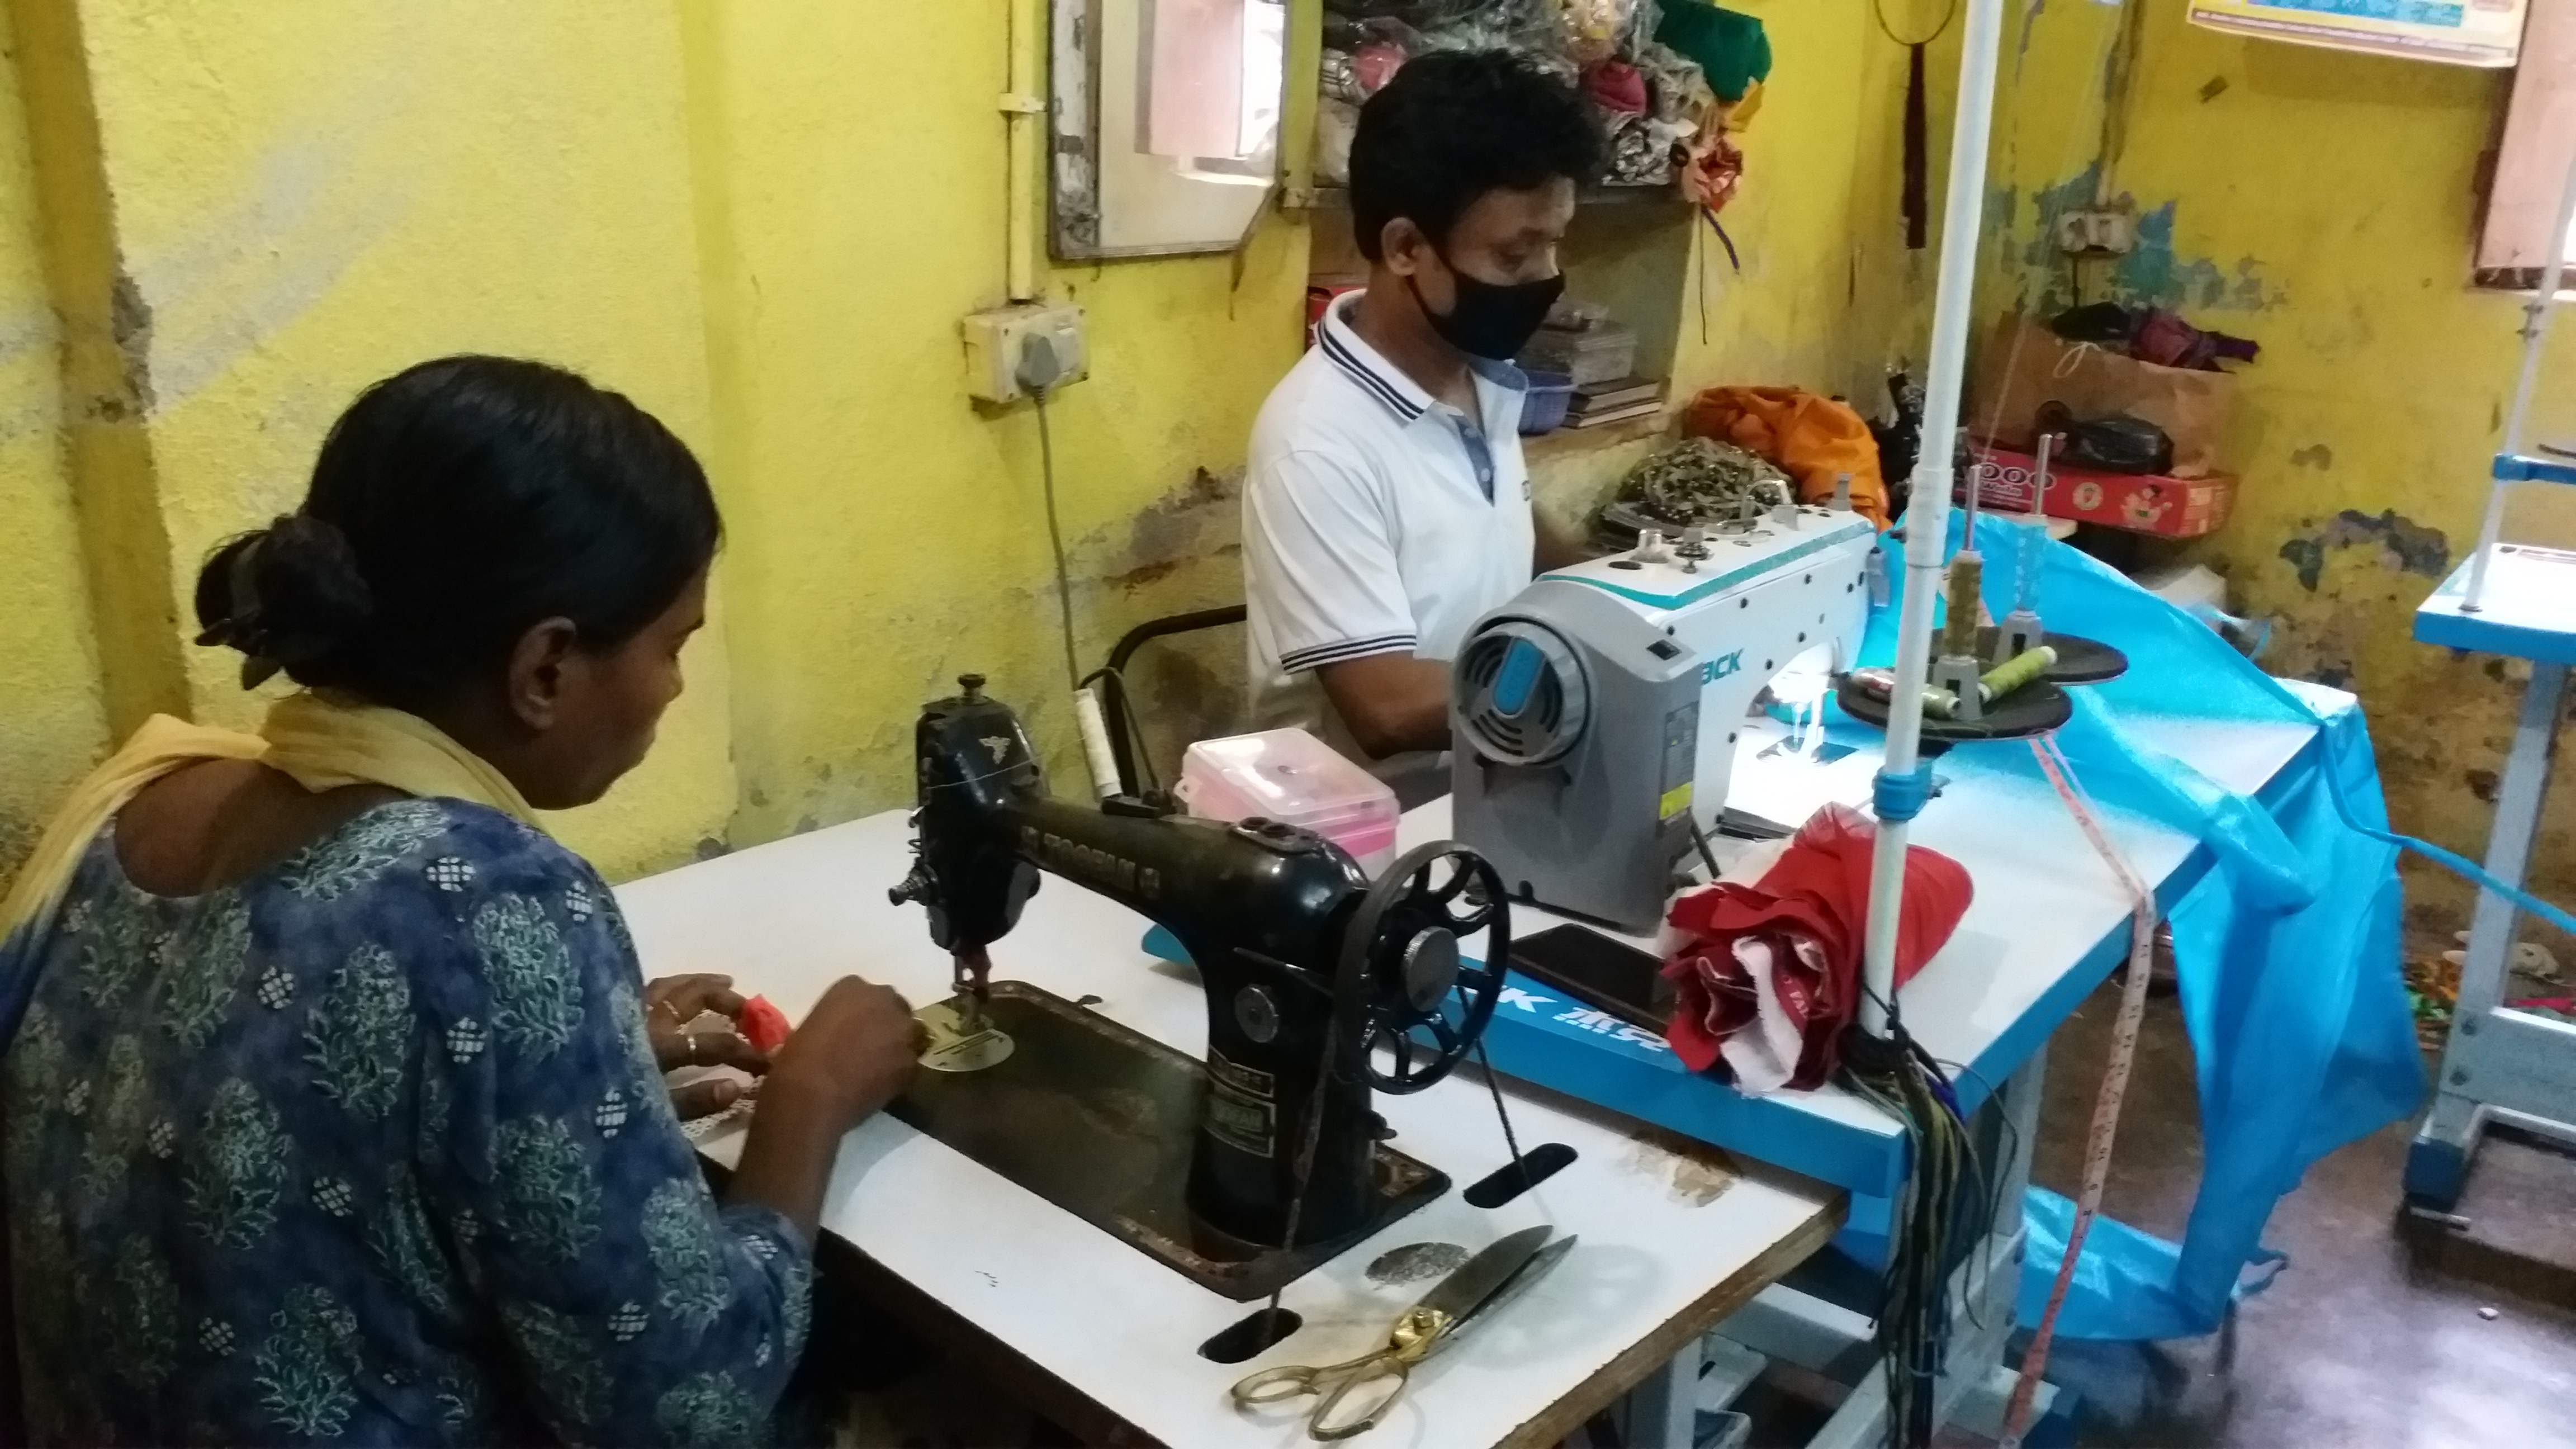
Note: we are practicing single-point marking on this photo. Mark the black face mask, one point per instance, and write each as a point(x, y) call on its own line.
point(1491, 319)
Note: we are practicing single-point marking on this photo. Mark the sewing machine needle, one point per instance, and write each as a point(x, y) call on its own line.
point(972, 969)
point(962, 1038)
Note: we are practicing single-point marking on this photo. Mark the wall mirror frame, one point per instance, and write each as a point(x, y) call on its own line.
point(1164, 124)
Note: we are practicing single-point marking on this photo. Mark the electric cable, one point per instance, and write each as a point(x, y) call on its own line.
point(1707, 855)
point(1994, 1176)
point(1931, 1220)
point(1055, 537)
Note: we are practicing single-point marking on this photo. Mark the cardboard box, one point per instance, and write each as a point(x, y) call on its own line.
point(2139, 502)
point(2025, 366)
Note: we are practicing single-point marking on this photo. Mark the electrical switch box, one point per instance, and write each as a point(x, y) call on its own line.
point(1012, 351)
point(2111, 230)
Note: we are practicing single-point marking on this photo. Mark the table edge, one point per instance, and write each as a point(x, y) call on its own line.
point(1575, 1407)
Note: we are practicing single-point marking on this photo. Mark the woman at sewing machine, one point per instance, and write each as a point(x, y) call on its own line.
point(336, 1107)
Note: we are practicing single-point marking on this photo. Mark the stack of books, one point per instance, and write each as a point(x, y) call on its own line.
point(1597, 403)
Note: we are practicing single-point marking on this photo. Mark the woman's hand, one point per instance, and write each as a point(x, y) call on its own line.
point(670, 1005)
point(853, 1052)
point(850, 1055)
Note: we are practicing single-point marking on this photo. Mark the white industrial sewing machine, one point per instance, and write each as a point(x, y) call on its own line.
point(1595, 716)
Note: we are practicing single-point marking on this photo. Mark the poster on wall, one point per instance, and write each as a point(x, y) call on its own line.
point(2461, 32)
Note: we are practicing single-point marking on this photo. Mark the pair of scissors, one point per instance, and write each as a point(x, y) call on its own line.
point(1353, 1395)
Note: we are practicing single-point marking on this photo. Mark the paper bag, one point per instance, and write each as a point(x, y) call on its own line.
point(2024, 366)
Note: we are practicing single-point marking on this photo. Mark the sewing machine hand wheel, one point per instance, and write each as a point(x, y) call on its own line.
point(1401, 964)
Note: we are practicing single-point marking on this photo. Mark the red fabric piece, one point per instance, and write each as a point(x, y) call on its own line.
point(2168, 341)
point(763, 1025)
point(1818, 890)
point(1713, 170)
point(1617, 86)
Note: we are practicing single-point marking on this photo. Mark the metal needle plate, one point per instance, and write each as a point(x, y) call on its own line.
point(961, 1039)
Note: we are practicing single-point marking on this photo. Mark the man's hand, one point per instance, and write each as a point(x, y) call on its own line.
point(670, 1005)
point(1392, 703)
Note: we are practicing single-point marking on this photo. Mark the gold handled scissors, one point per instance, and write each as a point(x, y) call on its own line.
point(1353, 1395)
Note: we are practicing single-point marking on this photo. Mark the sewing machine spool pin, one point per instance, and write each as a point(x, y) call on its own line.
point(2021, 630)
point(1957, 668)
point(1694, 547)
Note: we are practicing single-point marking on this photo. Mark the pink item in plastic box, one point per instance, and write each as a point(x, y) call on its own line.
point(1292, 777)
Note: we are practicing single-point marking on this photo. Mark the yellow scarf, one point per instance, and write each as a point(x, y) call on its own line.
point(318, 743)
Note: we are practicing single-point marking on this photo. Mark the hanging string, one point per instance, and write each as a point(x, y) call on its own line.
point(1914, 204)
point(1915, 200)
point(2115, 1077)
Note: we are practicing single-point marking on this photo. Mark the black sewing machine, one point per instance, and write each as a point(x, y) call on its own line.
point(1319, 987)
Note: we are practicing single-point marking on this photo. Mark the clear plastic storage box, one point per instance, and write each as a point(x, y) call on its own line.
point(1293, 777)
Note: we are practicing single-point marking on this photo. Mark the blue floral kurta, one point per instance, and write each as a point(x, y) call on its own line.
point(372, 1149)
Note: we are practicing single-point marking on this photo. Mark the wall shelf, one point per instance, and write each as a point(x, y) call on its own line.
point(1338, 198)
point(1567, 443)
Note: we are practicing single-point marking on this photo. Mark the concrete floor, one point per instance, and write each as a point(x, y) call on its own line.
point(2377, 1336)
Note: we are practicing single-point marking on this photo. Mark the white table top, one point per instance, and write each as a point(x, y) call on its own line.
point(2045, 902)
point(787, 918)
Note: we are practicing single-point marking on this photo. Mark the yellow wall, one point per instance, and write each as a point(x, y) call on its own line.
point(764, 222)
point(2324, 205)
point(309, 197)
point(1827, 297)
point(52, 722)
point(744, 216)
point(1821, 301)
point(889, 533)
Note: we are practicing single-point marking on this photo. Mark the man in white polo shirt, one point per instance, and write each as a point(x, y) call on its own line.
point(1386, 506)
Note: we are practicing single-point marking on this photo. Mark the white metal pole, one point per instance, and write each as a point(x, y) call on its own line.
point(2535, 340)
point(1927, 512)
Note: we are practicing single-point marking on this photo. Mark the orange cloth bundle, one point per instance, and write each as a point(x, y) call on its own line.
point(1813, 439)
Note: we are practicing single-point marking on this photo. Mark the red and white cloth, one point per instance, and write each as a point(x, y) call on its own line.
point(1767, 975)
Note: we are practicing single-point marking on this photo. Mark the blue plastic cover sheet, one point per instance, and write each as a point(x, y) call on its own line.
point(2287, 949)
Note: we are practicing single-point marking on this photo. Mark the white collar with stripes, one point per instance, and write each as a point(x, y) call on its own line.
point(1382, 379)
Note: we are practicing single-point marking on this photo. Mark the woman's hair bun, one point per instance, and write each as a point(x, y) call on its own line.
point(455, 506)
point(285, 595)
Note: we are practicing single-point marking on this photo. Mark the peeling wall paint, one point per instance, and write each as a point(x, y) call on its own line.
point(2402, 544)
point(2363, 431)
point(2155, 274)
point(53, 722)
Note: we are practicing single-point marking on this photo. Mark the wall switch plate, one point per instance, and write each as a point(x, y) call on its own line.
point(2112, 230)
point(999, 341)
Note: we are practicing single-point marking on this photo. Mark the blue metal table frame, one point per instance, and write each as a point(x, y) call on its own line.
point(2499, 1063)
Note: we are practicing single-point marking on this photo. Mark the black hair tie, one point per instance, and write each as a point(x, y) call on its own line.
point(293, 594)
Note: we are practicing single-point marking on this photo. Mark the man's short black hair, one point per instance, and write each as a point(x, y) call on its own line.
point(1455, 124)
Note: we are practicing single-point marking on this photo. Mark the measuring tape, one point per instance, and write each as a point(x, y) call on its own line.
point(2115, 1078)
